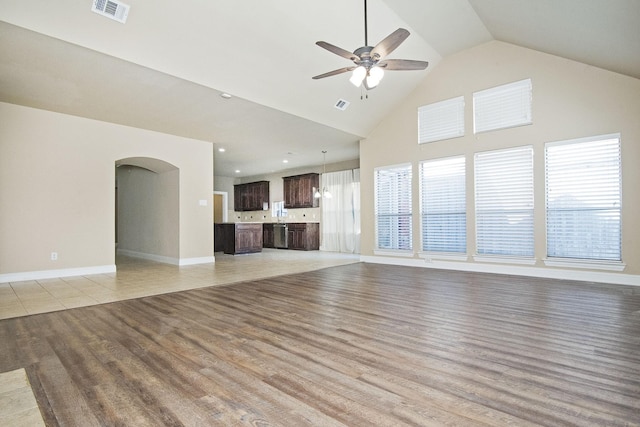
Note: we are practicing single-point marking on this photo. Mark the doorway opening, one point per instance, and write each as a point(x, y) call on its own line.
point(147, 217)
point(220, 207)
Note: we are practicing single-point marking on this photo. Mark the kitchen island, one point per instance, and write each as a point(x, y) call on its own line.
point(238, 238)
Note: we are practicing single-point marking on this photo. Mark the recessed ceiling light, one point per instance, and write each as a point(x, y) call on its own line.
point(285, 161)
point(237, 170)
point(222, 150)
point(225, 95)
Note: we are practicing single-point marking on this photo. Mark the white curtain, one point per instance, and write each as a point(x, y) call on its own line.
point(341, 212)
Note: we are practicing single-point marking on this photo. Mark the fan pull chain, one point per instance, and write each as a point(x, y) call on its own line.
point(364, 94)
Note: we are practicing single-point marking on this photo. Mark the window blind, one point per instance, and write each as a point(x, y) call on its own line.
point(583, 199)
point(441, 120)
point(504, 202)
point(503, 106)
point(393, 207)
point(443, 205)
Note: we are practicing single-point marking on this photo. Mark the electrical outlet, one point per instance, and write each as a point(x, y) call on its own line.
point(54, 256)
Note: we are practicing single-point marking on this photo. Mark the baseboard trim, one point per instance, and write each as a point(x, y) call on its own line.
point(151, 257)
point(166, 259)
point(517, 270)
point(199, 260)
point(51, 274)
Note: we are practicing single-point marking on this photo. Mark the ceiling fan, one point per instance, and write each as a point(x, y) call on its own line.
point(369, 62)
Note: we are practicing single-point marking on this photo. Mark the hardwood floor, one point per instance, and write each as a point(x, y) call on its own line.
point(137, 278)
point(358, 344)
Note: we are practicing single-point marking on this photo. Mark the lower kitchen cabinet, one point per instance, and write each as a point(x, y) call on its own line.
point(267, 235)
point(304, 236)
point(218, 237)
point(241, 237)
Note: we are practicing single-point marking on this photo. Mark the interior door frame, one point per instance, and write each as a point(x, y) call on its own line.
point(225, 204)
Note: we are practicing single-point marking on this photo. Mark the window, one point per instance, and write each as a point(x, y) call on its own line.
point(502, 107)
point(583, 198)
point(443, 206)
point(393, 207)
point(441, 120)
point(504, 202)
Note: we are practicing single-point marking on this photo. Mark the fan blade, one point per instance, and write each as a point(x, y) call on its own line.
point(338, 51)
point(403, 64)
point(389, 44)
point(334, 72)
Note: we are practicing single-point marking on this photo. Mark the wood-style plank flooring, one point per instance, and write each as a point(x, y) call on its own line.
point(137, 278)
point(358, 344)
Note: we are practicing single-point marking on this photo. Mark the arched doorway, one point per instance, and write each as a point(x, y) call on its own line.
point(148, 209)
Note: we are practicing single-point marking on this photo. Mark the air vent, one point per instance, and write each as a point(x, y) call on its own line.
point(342, 104)
point(111, 9)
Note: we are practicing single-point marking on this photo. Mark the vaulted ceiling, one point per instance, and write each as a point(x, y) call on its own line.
point(166, 67)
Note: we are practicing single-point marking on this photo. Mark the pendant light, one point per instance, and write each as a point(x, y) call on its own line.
point(325, 192)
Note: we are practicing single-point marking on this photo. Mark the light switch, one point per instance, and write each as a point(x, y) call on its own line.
point(203, 202)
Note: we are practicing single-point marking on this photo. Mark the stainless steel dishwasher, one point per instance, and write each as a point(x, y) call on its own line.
point(280, 232)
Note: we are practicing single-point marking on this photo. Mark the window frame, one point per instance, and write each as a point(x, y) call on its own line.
point(441, 120)
point(511, 213)
point(407, 213)
point(497, 107)
point(573, 260)
point(446, 206)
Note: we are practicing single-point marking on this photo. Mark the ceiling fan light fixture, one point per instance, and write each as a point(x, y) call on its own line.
point(374, 76)
point(368, 59)
point(358, 76)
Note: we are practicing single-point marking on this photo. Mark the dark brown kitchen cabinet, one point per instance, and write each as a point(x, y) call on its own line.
point(267, 235)
point(251, 196)
point(304, 236)
point(241, 237)
point(299, 190)
point(218, 237)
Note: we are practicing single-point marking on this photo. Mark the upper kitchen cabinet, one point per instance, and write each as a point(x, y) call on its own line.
point(299, 189)
point(251, 196)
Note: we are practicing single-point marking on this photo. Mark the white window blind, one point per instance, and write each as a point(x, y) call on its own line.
point(502, 106)
point(443, 205)
point(441, 120)
point(504, 202)
point(393, 207)
point(583, 198)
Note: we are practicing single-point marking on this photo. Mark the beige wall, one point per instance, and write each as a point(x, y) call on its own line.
point(57, 188)
point(570, 100)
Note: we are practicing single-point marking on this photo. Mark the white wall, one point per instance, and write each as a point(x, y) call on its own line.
point(57, 190)
point(570, 100)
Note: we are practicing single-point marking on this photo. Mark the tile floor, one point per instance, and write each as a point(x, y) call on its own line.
point(138, 278)
point(18, 406)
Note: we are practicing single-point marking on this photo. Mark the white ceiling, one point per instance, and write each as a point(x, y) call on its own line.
point(165, 68)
